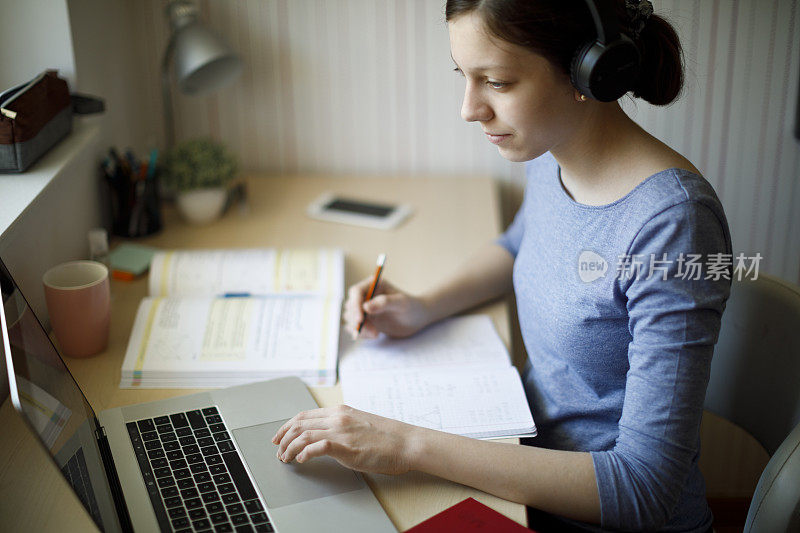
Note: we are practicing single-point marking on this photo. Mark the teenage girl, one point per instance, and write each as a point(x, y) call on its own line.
point(618, 365)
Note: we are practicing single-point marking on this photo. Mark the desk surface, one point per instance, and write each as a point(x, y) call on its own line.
point(453, 217)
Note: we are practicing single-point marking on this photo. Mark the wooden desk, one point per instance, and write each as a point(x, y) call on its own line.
point(453, 217)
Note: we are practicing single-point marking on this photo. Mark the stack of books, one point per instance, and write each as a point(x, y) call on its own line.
point(216, 318)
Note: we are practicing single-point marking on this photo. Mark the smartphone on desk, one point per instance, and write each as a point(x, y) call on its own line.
point(358, 212)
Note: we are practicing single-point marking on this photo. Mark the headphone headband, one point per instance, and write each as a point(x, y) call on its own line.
point(605, 21)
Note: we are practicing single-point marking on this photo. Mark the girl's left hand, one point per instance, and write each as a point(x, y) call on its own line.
point(358, 440)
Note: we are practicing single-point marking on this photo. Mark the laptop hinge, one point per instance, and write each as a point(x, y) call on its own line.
point(113, 478)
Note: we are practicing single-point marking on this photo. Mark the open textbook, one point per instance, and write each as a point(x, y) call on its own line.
point(216, 318)
point(455, 376)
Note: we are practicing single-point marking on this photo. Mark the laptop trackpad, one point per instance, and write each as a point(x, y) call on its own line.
point(285, 484)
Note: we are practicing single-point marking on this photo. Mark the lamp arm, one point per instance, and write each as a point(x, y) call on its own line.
point(166, 94)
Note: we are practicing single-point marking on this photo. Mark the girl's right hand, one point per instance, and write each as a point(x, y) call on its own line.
point(390, 311)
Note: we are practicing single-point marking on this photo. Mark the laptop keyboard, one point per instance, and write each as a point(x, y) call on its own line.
point(194, 475)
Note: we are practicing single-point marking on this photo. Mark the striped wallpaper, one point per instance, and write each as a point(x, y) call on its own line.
point(366, 86)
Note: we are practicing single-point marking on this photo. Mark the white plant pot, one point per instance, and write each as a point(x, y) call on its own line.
point(201, 206)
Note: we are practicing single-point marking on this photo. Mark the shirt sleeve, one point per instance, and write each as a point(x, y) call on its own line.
point(674, 321)
point(512, 237)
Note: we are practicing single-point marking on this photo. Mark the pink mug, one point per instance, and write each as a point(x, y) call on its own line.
point(79, 303)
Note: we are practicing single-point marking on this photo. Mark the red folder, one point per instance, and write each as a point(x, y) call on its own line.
point(468, 516)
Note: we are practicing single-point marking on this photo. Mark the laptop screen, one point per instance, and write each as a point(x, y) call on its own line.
point(44, 392)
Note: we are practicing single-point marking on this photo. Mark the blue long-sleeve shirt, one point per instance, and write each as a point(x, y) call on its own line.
point(619, 336)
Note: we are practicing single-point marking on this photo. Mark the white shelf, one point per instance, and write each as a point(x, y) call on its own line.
point(18, 191)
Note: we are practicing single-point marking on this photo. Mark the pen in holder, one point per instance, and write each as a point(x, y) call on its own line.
point(135, 205)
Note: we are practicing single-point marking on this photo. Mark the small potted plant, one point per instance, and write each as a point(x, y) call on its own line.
point(199, 171)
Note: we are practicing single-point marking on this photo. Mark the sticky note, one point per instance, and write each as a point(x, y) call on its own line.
point(132, 258)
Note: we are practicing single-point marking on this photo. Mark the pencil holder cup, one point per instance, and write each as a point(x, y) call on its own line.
point(135, 207)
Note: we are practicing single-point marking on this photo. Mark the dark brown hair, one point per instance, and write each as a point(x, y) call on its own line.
point(556, 29)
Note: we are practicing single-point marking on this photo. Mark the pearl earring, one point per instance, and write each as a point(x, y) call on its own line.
point(583, 98)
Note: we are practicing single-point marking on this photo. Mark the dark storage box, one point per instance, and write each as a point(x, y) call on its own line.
point(33, 118)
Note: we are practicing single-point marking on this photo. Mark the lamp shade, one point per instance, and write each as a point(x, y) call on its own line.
point(203, 62)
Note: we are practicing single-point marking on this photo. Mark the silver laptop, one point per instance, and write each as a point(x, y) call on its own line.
point(201, 462)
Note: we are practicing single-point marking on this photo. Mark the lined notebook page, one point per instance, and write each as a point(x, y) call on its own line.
point(467, 340)
point(455, 376)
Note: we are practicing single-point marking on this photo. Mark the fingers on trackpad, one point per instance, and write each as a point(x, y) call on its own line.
point(286, 484)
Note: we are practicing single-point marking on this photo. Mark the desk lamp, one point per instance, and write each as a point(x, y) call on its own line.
point(203, 62)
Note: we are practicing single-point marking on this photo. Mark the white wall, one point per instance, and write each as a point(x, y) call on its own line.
point(34, 36)
point(358, 86)
point(107, 65)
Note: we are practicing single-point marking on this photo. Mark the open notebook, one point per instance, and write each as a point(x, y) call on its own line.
point(216, 318)
point(455, 376)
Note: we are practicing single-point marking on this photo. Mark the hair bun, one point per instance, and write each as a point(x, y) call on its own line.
point(661, 75)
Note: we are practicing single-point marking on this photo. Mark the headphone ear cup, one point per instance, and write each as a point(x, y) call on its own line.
point(606, 72)
point(580, 71)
